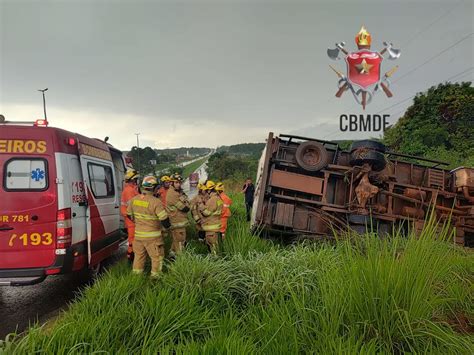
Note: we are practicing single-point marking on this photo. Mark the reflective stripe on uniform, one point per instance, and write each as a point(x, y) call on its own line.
point(141, 203)
point(227, 206)
point(179, 224)
point(162, 215)
point(147, 234)
point(145, 216)
point(211, 228)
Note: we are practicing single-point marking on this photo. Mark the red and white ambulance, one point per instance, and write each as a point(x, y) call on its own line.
point(59, 201)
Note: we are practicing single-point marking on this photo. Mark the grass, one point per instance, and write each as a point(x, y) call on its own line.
point(190, 168)
point(363, 294)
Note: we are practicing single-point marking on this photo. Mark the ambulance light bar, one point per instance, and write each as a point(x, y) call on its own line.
point(41, 123)
point(37, 123)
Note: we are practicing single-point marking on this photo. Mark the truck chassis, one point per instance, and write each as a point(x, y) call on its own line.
point(308, 186)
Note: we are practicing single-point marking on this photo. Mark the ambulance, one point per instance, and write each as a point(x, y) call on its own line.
point(59, 202)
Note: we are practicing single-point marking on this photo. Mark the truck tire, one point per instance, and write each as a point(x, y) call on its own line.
point(312, 156)
point(375, 159)
point(368, 144)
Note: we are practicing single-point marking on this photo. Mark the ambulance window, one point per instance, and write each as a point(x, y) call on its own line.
point(101, 180)
point(26, 175)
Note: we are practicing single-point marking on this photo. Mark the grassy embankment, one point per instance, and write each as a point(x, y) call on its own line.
point(367, 295)
point(188, 169)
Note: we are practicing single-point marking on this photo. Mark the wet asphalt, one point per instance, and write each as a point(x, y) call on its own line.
point(25, 305)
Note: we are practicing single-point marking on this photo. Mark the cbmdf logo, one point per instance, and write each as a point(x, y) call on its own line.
point(364, 68)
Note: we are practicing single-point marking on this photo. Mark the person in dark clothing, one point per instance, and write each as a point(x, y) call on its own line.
point(248, 190)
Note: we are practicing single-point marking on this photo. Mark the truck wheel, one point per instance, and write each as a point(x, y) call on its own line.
point(312, 156)
point(362, 156)
point(368, 144)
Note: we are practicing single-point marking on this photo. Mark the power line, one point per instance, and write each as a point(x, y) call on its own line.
point(431, 24)
point(460, 75)
point(448, 79)
point(434, 57)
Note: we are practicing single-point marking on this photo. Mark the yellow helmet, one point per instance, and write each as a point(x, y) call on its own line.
point(176, 177)
point(131, 174)
point(219, 186)
point(165, 178)
point(201, 186)
point(210, 185)
point(149, 182)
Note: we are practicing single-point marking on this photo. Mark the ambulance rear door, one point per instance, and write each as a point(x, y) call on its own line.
point(103, 202)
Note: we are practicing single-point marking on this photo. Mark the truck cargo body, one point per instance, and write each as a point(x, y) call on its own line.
point(312, 187)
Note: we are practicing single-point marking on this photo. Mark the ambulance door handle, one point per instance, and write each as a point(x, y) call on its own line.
point(117, 207)
point(74, 214)
point(6, 228)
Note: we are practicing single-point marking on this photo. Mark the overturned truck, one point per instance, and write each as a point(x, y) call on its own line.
point(308, 186)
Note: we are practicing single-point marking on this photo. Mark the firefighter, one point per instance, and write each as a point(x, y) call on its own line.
point(211, 210)
point(130, 190)
point(177, 206)
point(194, 205)
point(149, 216)
point(226, 200)
point(165, 185)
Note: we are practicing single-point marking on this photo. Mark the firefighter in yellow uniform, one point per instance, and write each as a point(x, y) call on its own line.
point(177, 206)
point(194, 205)
point(150, 217)
point(211, 211)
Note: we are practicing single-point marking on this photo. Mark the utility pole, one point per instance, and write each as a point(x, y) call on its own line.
point(138, 152)
point(44, 104)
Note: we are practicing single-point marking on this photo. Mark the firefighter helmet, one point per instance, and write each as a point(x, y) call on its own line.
point(210, 185)
point(149, 182)
point(131, 174)
point(219, 186)
point(165, 178)
point(176, 177)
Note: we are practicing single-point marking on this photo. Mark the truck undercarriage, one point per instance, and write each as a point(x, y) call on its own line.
point(313, 187)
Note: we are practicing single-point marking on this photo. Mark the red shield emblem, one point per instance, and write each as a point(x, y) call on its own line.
point(363, 68)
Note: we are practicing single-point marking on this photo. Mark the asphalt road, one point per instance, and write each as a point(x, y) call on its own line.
point(25, 305)
point(192, 191)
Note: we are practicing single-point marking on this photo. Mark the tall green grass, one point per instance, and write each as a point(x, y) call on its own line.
point(363, 294)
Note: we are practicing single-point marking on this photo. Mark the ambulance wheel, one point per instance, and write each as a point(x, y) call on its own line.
point(375, 159)
point(312, 156)
point(368, 144)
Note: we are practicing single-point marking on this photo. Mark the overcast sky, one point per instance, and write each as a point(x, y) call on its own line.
point(208, 73)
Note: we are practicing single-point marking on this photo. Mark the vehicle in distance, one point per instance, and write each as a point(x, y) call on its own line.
point(60, 202)
point(311, 187)
point(193, 179)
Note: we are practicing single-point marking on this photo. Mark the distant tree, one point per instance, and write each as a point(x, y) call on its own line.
point(142, 158)
point(439, 125)
point(222, 166)
point(244, 149)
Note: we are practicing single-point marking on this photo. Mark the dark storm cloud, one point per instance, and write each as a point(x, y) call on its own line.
point(261, 64)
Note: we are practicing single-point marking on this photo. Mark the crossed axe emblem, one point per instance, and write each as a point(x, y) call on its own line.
point(364, 96)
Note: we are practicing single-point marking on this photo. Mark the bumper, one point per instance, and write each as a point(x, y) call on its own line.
point(31, 276)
